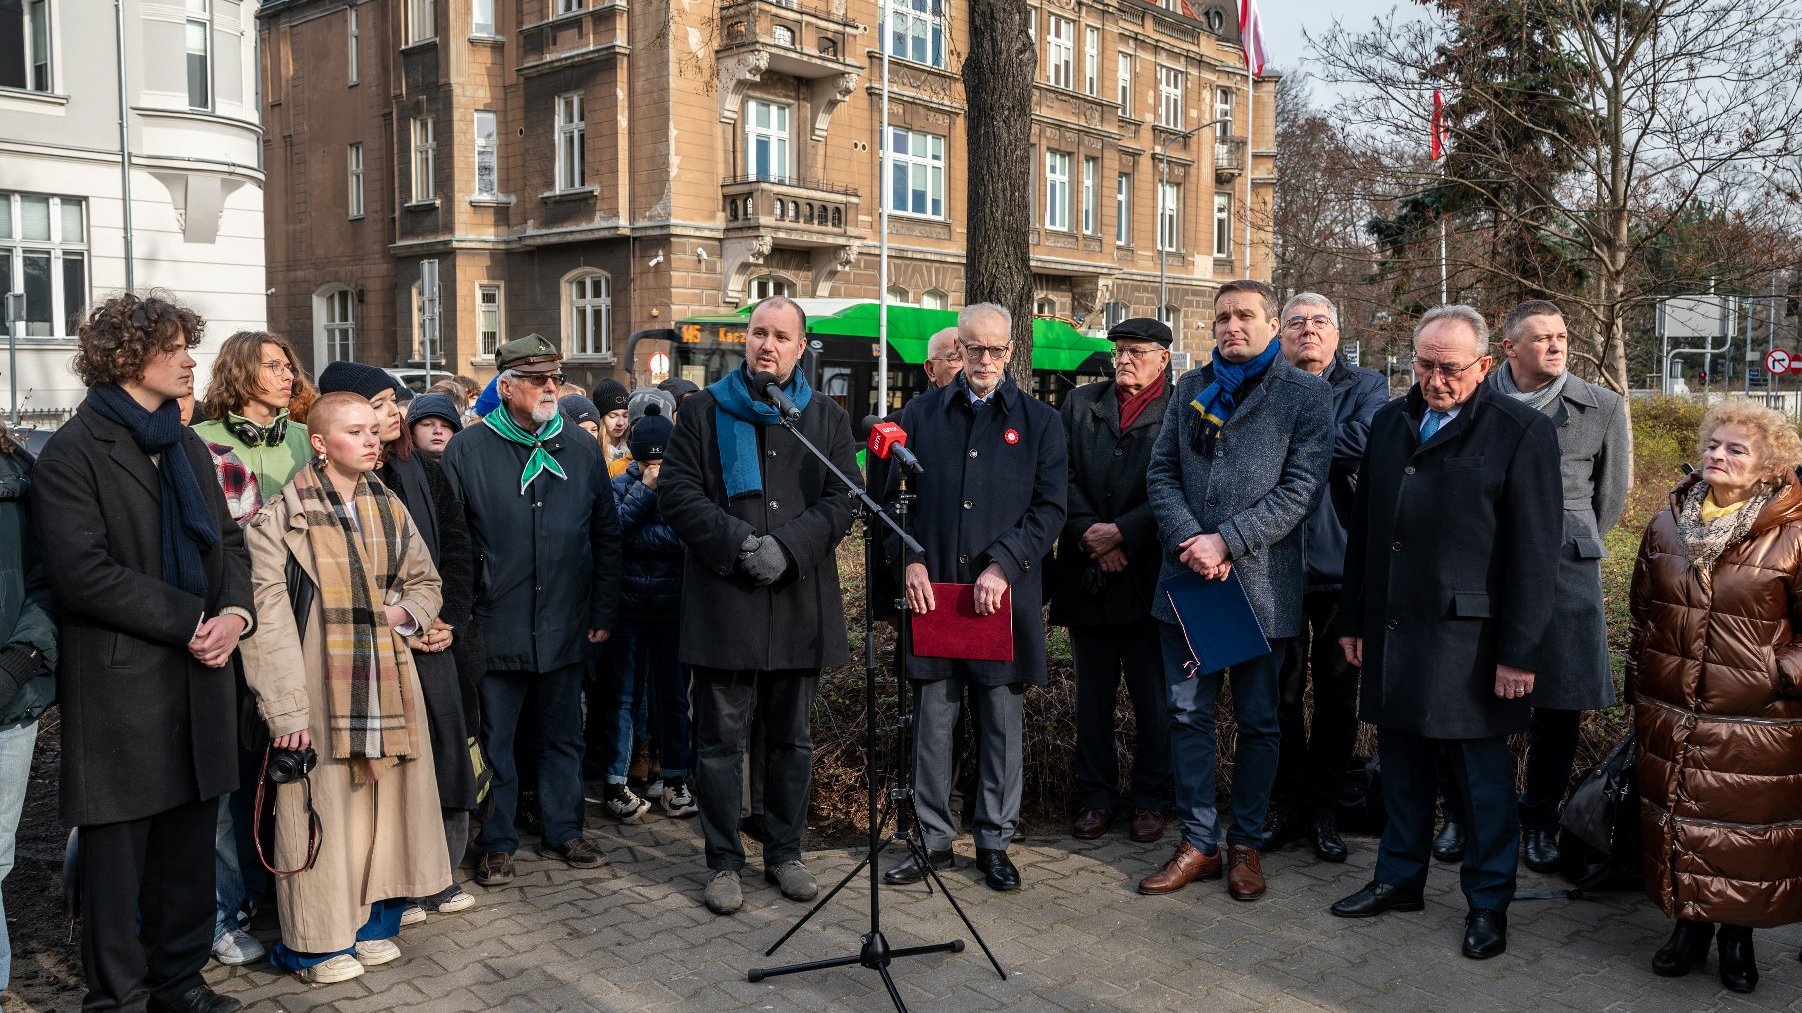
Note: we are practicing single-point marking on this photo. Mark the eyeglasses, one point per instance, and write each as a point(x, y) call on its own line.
point(1319, 320)
point(948, 357)
point(1135, 354)
point(279, 367)
point(1428, 367)
point(540, 379)
point(982, 353)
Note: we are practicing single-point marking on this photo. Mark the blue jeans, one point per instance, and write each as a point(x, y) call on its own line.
point(383, 923)
point(1256, 692)
point(1483, 770)
point(648, 646)
point(16, 745)
point(557, 699)
point(614, 701)
point(240, 880)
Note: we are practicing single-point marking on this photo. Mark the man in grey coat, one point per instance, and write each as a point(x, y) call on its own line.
point(1239, 464)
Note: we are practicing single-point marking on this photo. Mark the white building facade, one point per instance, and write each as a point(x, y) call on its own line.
point(194, 187)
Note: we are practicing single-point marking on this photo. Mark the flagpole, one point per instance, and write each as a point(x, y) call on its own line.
point(1250, 135)
point(882, 193)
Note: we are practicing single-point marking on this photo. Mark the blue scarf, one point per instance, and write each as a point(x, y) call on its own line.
point(739, 416)
point(188, 527)
point(1220, 399)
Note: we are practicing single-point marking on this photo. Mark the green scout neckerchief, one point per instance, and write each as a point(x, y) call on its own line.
point(501, 421)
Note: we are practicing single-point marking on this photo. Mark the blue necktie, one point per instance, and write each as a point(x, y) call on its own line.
point(1431, 425)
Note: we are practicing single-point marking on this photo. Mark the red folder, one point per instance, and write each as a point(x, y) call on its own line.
point(954, 630)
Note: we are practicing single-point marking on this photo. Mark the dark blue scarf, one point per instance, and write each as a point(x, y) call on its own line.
point(739, 417)
point(188, 527)
point(1220, 399)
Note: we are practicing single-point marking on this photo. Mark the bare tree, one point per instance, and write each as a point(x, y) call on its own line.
point(998, 74)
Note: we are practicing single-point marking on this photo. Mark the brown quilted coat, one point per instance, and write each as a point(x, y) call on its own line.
point(1715, 669)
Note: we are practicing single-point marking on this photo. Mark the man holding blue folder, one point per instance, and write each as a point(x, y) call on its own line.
point(1240, 463)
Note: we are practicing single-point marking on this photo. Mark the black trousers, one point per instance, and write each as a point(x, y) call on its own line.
point(147, 906)
point(1484, 770)
point(1310, 771)
point(726, 703)
point(1551, 753)
point(1104, 655)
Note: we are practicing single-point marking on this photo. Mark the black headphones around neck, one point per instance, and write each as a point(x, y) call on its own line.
point(252, 435)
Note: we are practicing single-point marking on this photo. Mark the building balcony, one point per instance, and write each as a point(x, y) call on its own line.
point(593, 32)
point(759, 37)
point(762, 214)
point(1229, 158)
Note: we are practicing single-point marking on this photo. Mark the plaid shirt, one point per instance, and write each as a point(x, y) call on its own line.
point(238, 483)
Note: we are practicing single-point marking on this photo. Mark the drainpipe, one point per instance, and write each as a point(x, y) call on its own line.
point(124, 141)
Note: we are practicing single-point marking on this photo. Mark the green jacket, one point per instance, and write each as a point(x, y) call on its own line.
point(273, 466)
point(24, 592)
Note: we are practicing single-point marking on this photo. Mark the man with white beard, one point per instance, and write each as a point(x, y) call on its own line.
point(545, 531)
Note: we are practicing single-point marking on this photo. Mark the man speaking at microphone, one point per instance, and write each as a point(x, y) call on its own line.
point(760, 517)
point(990, 503)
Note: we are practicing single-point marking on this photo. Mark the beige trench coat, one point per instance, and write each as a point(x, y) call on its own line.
point(377, 841)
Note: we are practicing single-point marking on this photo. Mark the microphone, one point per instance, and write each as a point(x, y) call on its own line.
point(765, 383)
point(887, 440)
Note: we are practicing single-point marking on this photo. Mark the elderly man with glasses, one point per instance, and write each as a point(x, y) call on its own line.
point(546, 534)
point(944, 358)
point(1450, 565)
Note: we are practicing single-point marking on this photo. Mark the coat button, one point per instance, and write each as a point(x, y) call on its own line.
point(1395, 546)
point(536, 506)
point(1213, 500)
point(1119, 453)
point(968, 504)
point(972, 453)
point(774, 505)
point(962, 558)
point(1025, 566)
point(1395, 624)
point(772, 453)
point(1409, 470)
point(1220, 452)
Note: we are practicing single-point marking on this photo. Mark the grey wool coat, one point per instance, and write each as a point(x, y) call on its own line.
point(1267, 474)
point(1596, 469)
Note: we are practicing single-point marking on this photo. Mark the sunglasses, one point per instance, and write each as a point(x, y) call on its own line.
point(541, 379)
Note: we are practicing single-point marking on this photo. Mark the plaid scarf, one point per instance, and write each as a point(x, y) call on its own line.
point(1704, 543)
point(357, 551)
point(501, 421)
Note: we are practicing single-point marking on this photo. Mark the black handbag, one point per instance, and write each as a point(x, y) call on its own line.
point(1600, 844)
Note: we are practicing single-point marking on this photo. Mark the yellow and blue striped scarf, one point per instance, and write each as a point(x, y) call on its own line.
point(1220, 398)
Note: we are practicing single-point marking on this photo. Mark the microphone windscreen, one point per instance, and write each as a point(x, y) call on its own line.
point(761, 380)
point(869, 423)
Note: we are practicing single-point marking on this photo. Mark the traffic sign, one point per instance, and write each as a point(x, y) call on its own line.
point(1778, 361)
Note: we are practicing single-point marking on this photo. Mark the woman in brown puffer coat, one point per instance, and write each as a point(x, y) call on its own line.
point(1715, 674)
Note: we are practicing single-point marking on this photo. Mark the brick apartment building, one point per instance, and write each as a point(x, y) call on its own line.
point(588, 168)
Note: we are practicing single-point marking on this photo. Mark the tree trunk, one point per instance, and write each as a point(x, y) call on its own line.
point(998, 74)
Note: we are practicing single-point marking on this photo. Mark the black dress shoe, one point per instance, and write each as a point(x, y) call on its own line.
point(1448, 845)
point(997, 871)
point(1377, 898)
point(1687, 947)
point(1279, 830)
point(199, 999)
point(1739, 970)
point(1540, 849)
point(1328, 845)
point(911, 871)
point(1485, 934)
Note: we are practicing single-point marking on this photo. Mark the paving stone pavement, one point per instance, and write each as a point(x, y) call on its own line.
point(635, 937)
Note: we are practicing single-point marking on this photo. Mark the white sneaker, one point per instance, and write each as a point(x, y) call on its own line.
point(375, 952)
point(677, 800)
point(236, 948)
point(654, 790)
point(626, 807)
point(412, 914)
point(342, 967)
point(459, 900)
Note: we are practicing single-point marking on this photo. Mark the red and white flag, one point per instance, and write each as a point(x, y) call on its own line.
point(1436, 146)
point(1189, 10)
point(1251, 36)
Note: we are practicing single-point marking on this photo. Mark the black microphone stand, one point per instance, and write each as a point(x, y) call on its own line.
point(875, 953)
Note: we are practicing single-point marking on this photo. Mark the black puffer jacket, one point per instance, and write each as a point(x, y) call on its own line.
point(650, 555)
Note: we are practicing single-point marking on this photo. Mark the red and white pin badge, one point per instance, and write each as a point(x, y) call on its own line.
point(1012, 436)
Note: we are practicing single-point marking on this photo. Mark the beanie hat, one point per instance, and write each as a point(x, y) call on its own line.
point(609, 396)
point(679, 388)
point(435, 406)
point(356, 378)
point(650, 435)
point(578, 409)
point(641, 400)
point(489, 399)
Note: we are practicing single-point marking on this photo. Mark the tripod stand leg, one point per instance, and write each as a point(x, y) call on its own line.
point(894, 993)
point(933, 874)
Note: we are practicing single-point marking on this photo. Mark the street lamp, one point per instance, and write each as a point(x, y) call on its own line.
point(1163, 182)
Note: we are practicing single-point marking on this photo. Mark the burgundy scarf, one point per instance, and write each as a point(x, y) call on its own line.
point(1131, 405)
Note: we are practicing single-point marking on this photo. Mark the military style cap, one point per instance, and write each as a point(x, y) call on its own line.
point(1141, 329)
point(531, 350)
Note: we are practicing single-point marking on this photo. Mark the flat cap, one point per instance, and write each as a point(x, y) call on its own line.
point(1141, 329)
point(530, 350)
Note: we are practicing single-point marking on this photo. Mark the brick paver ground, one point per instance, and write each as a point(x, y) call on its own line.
point(635, 937)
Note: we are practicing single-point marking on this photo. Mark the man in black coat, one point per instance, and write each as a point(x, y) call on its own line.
point(1310, 772)
point(545, 531)
point(152, 582)
point(760, 517)
point(988, 508)
point(1449, 568)
point(1104, 577)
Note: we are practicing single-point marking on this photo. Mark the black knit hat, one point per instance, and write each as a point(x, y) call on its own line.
point(578, 409)
point(649, 435)
point(610, 396)
point(435, 406)
point(1141, 329)
point(356, 378)
point(679, 387)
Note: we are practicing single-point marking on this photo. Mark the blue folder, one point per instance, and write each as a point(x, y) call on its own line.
point(1216, 619)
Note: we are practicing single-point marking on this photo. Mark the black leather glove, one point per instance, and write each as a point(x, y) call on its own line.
point(19, 664)
point(763, 560)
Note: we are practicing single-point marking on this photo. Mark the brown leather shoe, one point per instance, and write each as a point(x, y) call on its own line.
point(1091, 823)
point(1184, 867)
point(1147, 825)
point(1244, 873)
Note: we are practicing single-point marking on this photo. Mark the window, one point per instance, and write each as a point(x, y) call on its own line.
point(425, 160)
point(1223, 225)
point(918, 31)
point(1172, 318)
point(897, 294)
point(1223, 111)
point(481, 17)
point(1170, 209)
point(25, 44)
point(488, 318)
point(590, 314)
point(354, 189)
point(568, 6)
point(353, 53)
point(934, 299)
point(766, 140)
point(1124, 78)
point(1046, 307)
point(1091, 60)
point(421, 21)
point(339, 325)
point(1091, 210)
point(1057, 190)
point(1170, 98)
point(917, 167)
point(487, 161)
point(1113, 313)
point(1060, 52)
point(1123, 210)
point(767, 286)
point(572, 142)
point(44, 253)
point(200, 54)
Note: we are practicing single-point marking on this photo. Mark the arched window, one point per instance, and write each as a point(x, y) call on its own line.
point(763, 287)
point(1045, 307)
point(1114, 312)
point(934, 299)
point(334, 325)
point(588, 316)
point(897, 294)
